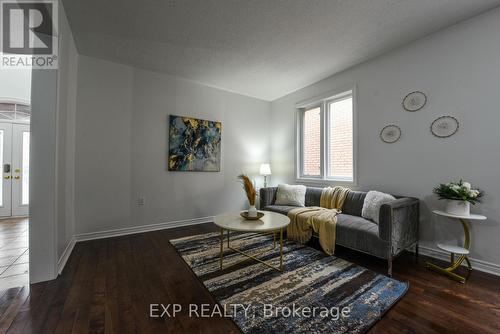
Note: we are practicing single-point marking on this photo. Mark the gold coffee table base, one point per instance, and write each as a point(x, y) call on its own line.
point(254, 257)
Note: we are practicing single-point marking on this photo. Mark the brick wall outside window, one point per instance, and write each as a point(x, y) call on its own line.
point(312, 142)
point(341, 161)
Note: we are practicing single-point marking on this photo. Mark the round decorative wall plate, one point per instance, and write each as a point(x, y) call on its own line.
point(390, 134)
point(445, 126)
point(414, 101)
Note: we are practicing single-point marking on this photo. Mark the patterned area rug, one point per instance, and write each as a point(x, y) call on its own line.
point(316, 293)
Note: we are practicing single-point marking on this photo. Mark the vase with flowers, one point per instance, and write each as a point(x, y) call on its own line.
point(251, 194)
point(459, 196)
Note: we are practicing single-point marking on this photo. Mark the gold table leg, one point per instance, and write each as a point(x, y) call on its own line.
point(455, 263)
point(281, 249)
point(221, 254)
point(254, 257)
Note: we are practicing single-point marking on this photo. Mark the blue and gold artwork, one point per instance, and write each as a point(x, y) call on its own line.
point(194, 144)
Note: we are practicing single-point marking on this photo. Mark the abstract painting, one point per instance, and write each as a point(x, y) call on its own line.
point(194, 144)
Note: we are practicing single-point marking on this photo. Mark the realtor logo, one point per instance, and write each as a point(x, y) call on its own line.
point(28, 34)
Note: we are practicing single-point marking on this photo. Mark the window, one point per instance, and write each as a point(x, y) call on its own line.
point(14, 111)
point(312, 140)
point(326, 139)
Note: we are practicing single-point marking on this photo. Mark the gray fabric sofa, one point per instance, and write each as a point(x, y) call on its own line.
point(396, 231)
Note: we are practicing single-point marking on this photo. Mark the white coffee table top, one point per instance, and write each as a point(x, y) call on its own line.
point(472, 216)
point(271, 221)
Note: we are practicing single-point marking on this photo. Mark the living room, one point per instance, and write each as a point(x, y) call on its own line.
point(208, 166)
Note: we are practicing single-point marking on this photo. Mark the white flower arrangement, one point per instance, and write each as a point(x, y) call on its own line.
point(460, 191)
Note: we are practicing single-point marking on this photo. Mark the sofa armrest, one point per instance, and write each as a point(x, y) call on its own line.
point(398, 223)
point(267, 196)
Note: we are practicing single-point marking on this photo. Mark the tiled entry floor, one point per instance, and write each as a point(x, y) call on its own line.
point(14, 254)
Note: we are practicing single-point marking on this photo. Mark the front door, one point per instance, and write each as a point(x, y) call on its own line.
point(5, 164)
point(14, 160)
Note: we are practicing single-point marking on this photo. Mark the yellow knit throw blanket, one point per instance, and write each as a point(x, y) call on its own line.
point(322, 220)
point(333, 198)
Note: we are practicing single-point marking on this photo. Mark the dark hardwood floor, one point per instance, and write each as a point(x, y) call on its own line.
point(108, 285)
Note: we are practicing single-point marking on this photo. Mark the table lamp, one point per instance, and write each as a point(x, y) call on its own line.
point(265, 169)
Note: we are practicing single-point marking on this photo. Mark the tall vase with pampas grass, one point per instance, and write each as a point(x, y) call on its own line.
point(251, 194)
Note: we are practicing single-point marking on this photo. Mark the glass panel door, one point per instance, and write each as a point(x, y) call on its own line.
point(5, 165)
point(25, 169)
point(1, 164)
point(20, 169)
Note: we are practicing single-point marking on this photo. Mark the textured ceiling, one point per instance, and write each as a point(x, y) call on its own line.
point(260, 48)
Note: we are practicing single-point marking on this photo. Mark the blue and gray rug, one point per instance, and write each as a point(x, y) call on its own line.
point(308, 297)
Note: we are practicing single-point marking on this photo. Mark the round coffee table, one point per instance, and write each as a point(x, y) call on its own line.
point(271, 222)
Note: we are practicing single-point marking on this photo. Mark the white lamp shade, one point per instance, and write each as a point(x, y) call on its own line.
point(265, 169)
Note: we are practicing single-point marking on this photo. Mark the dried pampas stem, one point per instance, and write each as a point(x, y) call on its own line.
point(249, 188)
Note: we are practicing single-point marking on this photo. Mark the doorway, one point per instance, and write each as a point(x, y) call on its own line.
point(14, 161)
point(14, 193)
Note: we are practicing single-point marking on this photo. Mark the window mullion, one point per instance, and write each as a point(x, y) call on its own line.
point(327, 138)
point(323, 137)
point(301, 142)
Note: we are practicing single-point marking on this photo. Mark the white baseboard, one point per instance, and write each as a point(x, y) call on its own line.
point(124, 231)
point(65, 255)
point(141, 229)
point(487, 267)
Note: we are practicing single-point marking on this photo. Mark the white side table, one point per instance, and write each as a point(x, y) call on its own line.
point(462, 252)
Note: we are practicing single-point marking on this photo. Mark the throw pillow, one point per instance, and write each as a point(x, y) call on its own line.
point(291, 195)
point(373, 202)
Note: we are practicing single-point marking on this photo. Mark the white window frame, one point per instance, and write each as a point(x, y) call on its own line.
point(322, 102)
point(301, 114)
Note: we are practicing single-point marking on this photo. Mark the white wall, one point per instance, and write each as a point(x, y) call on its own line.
point(43, 241)
point(52, 159)
point(122, 145)
point(15, 85)
point(172, 196)
point(103, 140)
point(66, 86)
point(459, 69)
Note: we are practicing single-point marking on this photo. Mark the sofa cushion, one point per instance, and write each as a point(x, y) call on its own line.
point(361, 234)
point(267, 196)
point(290, 195)
point(283, 209)
point(373, 201)
point(353, 204)
point(313, 196)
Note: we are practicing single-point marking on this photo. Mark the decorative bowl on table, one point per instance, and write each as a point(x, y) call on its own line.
point(245, 215)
